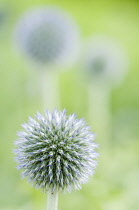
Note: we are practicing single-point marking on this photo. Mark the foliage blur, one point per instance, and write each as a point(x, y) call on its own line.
point(115, 183)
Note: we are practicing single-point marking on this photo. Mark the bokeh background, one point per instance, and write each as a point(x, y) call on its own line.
point(115, 183)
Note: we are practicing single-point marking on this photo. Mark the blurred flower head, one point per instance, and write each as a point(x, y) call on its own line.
point(56, 151)
point(4, 15)
point(105, 60)
point(48, 36)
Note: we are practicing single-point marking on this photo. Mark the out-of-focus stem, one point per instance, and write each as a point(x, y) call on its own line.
point(50, 89)
point(100, 110)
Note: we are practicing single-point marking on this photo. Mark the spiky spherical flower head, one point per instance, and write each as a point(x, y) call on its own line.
point(56, 151)
point(105, 60)
point(48, 36)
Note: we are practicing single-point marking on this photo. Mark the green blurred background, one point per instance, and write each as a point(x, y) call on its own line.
point(115, 183)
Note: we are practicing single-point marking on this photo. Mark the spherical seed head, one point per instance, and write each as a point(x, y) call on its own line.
point(48, 36)
point(105, 60)
point(56, 151)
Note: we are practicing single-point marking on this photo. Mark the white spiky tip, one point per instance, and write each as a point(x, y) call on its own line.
point(105, 60)
point(56, 151)
point(48, 36)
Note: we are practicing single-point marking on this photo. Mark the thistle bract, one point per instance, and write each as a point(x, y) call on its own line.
point(55, 151)
point(47, 36)
point(105, 60)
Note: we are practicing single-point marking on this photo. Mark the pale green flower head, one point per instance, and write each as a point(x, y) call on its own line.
point(105, 60)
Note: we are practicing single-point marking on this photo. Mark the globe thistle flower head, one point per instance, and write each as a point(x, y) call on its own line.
point(48, 36)
point(56, 151)
point(4, 15)
point(105, 60)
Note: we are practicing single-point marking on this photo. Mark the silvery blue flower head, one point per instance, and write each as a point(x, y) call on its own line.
point(56, 151)
point(48, 36)
point(105, 60)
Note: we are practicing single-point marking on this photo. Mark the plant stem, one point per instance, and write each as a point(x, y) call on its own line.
point(52, 201)
point(50, 89)
point(100, 110)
